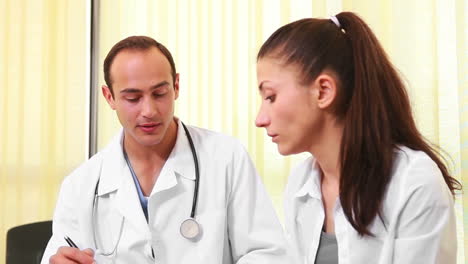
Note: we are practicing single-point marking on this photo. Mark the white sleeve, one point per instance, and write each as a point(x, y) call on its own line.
point(426, 223)
point(64, 221)
point(255, 233)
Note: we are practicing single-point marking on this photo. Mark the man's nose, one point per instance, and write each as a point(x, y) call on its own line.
point(148, 108)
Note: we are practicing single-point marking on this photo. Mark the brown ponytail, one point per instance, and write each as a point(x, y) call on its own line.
point(372, 101)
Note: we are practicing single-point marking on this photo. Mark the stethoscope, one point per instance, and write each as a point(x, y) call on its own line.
point(189, 228)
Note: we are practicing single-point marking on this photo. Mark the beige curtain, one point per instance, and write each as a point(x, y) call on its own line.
point(43, 105)
point(215, 43)
point(43, 91)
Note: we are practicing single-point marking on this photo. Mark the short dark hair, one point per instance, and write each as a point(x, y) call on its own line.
point(135, 43)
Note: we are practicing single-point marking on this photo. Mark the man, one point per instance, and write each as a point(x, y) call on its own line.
point(134, 202)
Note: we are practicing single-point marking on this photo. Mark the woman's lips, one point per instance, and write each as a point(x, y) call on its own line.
point(274, 137)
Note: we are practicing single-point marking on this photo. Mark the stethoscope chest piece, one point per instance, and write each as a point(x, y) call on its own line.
point(190, 229)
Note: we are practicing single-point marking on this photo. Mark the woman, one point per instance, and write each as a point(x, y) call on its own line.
point(374, 191)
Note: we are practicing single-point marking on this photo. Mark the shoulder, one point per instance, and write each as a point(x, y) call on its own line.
point(89, 171)
point(415, 167)
point(93, 164)
point(215, 142)
point(416, 174)
point(83, 173)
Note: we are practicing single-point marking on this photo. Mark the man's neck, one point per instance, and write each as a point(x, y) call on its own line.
point(147, 162)
point(160, 151)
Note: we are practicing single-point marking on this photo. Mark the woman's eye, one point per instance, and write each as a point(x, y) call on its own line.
point(270, 98)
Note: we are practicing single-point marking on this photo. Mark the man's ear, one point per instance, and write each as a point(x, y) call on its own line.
point(176, 86)
point(106, 91)
point(326, 87)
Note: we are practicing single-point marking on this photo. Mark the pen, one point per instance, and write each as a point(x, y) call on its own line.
point(70, 242)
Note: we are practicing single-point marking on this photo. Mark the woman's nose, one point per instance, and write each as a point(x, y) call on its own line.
point(262, 119)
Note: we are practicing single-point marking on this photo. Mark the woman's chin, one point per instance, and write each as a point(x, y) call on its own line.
point(289, 150)
point(283, 150)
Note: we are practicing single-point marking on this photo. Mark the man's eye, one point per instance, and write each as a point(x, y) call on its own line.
point(133, 99)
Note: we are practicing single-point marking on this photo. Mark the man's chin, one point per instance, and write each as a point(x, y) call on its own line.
point(149, 140)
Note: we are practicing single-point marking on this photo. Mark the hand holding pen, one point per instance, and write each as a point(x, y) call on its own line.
point(72, 254)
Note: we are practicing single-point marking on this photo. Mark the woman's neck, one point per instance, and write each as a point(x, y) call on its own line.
point(327, 150)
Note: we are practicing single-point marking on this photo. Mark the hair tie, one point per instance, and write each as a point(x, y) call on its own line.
point(336, 21)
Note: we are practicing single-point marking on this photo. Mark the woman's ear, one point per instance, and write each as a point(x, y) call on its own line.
point(326, 88)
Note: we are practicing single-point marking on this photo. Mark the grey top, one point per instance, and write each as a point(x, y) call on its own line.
point(327, 252)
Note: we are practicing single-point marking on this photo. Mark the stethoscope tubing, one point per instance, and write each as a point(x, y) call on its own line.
point(194, 201)
point(197, 172)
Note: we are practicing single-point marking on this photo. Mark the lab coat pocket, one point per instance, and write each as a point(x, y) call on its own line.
point(213, 241)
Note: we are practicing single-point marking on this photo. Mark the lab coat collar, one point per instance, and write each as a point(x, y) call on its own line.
point(115, 175)
point(113, 166)
point(181, 158)
point(312, 184)
point(180, 162)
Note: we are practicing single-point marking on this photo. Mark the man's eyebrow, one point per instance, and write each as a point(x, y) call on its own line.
point(135, 90)
point(130, 90)
point(161, 84)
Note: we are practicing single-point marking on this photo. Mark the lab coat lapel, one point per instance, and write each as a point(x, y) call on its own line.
point(128, 204)
point(309, 221)
point(181, 157)
point(86, 204)
point(176, 175)
point(116, 176)
point(308, 229)
point(180, 162)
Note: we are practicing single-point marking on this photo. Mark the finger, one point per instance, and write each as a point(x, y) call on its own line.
point(60, 258)
point(75, 255)
point(89, 252)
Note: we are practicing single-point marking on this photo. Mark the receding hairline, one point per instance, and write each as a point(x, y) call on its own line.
point(136, 50)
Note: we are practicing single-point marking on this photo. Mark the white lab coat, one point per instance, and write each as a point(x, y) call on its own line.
point(417, 209)
point(238, 221)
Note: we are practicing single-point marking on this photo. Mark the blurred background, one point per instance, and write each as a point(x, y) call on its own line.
point(50, 74)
